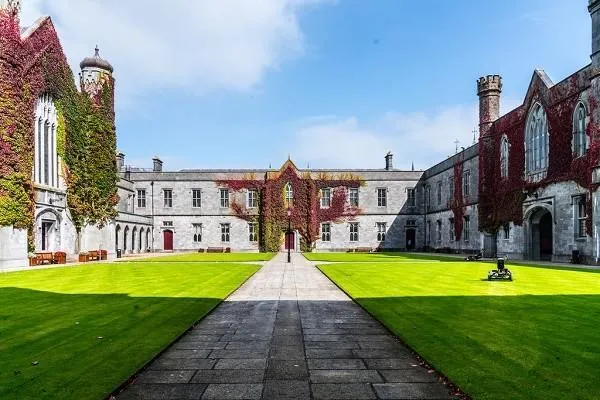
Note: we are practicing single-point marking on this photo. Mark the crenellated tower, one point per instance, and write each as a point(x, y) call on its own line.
point(489, 89)
point(95, 74)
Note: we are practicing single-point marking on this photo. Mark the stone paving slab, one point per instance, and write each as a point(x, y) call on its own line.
point(287, 333)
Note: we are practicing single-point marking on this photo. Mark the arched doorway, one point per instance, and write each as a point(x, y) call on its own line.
point(411, 237)
point(125, 234)
point(168, 240)
point(541, 234)
point(133, 239)
point(48, 231)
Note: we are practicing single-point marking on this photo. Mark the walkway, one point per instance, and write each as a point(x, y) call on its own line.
point(287, 333)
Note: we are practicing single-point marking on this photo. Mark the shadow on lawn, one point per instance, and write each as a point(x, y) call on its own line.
point(499, 347)
point(83, 346)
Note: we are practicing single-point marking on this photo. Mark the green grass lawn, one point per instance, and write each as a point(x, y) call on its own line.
point(537, 337)
point(376, 257)
point(55, 317)
point(209, 257)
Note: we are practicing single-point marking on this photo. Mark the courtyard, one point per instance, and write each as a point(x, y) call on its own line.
point(289, 332)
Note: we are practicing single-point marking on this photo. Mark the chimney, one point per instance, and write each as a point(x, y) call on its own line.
point(120, 161)
point(157, 164)
point(389, 161)
point(128, 173)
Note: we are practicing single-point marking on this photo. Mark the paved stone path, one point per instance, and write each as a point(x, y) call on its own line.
point(287, 333)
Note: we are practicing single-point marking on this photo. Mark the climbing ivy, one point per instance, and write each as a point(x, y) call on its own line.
point(30, 67)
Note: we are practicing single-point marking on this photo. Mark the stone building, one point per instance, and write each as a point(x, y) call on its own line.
point(527, 189)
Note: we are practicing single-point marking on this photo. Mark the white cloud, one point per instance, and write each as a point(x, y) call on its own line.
point(196, 45)
point(423, 137)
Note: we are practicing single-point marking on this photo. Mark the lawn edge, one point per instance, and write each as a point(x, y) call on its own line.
point(454, 388)
point(113, 394)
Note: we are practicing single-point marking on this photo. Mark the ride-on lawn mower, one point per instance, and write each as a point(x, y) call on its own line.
point(501, 273)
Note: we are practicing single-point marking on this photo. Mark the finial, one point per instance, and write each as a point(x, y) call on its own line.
point(456, 142)
point(289, 157)
point(97, 51)
point(413, 166)
point(270, 167)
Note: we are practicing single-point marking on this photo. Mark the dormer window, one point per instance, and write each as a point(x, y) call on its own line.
point(579, 130)
point(537, 144)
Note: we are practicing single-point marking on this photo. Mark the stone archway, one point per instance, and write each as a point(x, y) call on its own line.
point(540, 234)
point(48, 231)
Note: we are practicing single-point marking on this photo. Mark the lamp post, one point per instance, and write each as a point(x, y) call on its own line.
point(289, 234)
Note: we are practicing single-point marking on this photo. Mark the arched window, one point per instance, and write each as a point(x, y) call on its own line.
point(536, 144)
point(504, 157)
point(579, 128)
point(45, 169)
point(289, 195)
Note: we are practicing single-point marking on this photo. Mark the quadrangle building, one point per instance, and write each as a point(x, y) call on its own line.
point(527, 189)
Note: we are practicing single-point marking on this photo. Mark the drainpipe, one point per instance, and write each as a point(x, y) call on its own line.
point(152, 206)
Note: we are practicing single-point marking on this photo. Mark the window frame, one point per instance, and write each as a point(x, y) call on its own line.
point(225, 232)
point(580, 221)
point(381, 231)
point(537, 144)
point(252, 198)
point(451, 230)
point(354, 229)
point(253, 232)
point(504, 156)
point(466, 228)
point(323, 197)
point(411, 198)
point(579, 139)
point(288, 195)
point(466, 183)
point(167, 200)
point(141, 198)
point(196, 200)
point(506, 231)
point(326, 234)
point(382, 201)
point(354, 197)
point(439, 193)
point(224, 200)
point(197, 232)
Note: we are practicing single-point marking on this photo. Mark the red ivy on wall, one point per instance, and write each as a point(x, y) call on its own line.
point(501, 199)
point(86, 141)
point(458, 200)
point(306, 213)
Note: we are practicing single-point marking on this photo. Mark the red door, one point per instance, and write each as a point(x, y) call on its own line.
point(290, 241)
point(168, 240)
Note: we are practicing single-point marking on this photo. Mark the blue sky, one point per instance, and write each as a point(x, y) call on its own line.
point(242, 84)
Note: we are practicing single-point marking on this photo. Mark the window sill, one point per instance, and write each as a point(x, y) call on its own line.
point(581, 239)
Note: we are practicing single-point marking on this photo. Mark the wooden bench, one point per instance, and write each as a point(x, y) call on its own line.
point(94, 255)
point(214, 250)
point(363, 250)
point(201, 250)
point(103, 254)
point(227, 249)
point(60, 257)
point(44, 257)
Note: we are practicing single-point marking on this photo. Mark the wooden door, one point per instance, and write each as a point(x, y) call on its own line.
point(290, 241)
point(410, 239)
point(168, 240)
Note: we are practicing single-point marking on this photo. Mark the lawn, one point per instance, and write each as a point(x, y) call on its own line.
point(376, 257)
point(79, 332)
point(209, 257)
point(537, 337)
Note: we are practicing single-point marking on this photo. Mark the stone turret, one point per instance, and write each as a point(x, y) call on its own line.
point(489, 89)
point(95, 73)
